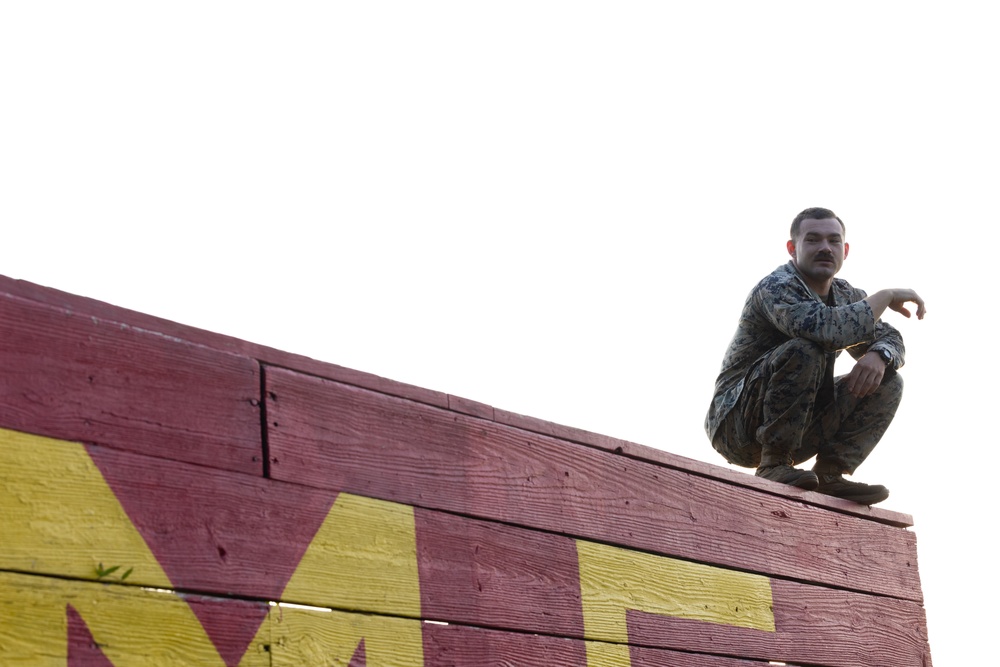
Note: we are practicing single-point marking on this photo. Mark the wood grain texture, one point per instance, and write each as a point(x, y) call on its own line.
point(485, 574)
point(68, 511)
point(221, 533)
point(129, 625)
point(81, 647)
point(614, 581)
point(396, 501)
point(319, 637)
point(488, 574)
point(813, 626)
point(664, 458)
point(333, 638)
point(216, 531)
point(81, 378)
point(68, 507)
point(59, 517)
point(863, 630)
point(72, 303)
point(334, 436)
point(93, 308)
point(364, 557)
point(47, 620)
point(462, 646)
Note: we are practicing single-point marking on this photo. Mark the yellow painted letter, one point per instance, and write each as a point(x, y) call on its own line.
point(614, 580)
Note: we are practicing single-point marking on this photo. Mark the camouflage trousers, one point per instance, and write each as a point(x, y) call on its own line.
point(792, 408)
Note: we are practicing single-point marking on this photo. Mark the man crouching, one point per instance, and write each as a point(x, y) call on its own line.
point(777, 403)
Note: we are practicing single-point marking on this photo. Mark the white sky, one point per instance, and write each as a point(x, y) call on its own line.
point(556, 208)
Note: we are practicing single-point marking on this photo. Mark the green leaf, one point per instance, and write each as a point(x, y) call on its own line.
point(101, 572)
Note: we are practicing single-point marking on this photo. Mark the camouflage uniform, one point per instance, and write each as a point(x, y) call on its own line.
point(776, 392)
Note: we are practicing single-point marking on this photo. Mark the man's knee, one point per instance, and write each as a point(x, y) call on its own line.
point(891, 387)
point(894, 381)
point(878, 407)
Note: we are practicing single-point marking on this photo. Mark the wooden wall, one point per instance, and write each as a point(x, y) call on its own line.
point(173, 496)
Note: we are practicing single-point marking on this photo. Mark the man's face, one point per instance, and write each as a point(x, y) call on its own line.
point(819, 249)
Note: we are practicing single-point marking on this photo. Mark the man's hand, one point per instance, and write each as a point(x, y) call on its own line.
point(866, 376)
point(896, 299)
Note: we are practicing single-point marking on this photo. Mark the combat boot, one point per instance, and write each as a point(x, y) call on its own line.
point(776, 465)
point(786, 474)
point(865, 494)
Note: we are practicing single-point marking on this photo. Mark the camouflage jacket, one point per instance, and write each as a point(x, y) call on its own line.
point(782, 307)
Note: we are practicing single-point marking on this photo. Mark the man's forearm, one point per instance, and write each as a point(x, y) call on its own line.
point(879, 301)
point(895, 299)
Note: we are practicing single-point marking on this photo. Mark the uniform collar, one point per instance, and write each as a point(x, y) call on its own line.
point(794, 270)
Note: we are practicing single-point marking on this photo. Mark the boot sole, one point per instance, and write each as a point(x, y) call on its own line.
point(860, 498)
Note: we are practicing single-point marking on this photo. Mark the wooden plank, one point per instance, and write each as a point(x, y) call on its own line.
point(896, 638)
point(643, 453)
point(86, 379)
point(326, 637)
point(486, 574)
point(469, 407)
point(48, 621)
point(44, 620)
point(91, 307)
point(463, 646)
point(75, 512)
point(334, 436)
point(68, 508)
point(72, 303)
point(315, 636)
point(813, 626)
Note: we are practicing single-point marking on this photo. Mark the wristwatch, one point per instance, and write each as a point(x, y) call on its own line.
point(886, 356)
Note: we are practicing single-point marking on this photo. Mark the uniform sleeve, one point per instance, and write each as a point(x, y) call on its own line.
point(796, 313)
point(887, 337)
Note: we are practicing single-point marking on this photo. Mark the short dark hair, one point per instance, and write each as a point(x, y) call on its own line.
point(814, 213)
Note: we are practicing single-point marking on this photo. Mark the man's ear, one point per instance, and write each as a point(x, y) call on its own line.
point(847, 249)
point(791, 248)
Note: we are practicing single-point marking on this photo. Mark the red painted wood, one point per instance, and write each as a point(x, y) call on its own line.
point(230, 624)
point(85, 379)
point(488, 574)
point(71, 303)
point(222, 534)
point(469, 407)
point(648, 657)
point(77, 369)
point(230, 638)
point(91, 307)
point(359, 659)
point(334, 436)
point(862, 630)
point(814, 625)
point(216, 531)
point(643, 453)
point(81, 649)
point(461, 646)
